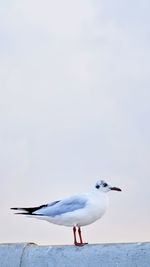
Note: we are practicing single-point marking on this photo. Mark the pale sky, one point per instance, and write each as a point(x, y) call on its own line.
point(75, 108)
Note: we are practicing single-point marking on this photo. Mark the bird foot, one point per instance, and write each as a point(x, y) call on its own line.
point(80, 244)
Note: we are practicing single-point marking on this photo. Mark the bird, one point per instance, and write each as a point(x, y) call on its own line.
point(75, 211)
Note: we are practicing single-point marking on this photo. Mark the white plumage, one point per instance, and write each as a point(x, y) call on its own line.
point(75, 211)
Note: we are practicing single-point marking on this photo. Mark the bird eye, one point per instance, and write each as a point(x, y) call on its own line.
point(105, 184)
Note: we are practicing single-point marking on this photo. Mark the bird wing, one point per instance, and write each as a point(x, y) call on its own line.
point(62, 206)
point(55, 208)
point(31, 210)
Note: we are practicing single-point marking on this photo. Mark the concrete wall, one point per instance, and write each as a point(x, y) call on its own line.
point(101, 255)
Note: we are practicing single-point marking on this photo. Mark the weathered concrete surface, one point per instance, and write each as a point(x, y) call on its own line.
point(99, 255)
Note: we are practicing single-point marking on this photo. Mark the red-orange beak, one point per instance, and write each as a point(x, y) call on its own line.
point(115, 189)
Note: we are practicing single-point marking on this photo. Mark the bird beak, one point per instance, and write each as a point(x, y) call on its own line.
point(115, 189)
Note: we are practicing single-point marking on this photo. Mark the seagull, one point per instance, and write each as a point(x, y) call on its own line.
point(75, 211)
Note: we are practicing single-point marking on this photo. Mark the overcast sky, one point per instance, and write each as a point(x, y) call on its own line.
point(75, 107)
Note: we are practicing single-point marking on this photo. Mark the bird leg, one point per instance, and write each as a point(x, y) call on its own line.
point(80, 236)
point(80, 244)
point(74, 233)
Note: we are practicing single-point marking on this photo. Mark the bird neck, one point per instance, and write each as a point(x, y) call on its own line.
point(99, 193)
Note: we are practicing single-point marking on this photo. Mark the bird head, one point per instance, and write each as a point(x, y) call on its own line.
point(103, 186)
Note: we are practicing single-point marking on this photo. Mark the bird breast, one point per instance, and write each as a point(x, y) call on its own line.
point(97, 205)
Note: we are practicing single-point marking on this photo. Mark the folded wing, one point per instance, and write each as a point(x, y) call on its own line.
point(30, 211)
point(55, 208)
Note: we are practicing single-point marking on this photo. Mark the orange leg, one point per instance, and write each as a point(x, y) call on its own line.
point(80, 237)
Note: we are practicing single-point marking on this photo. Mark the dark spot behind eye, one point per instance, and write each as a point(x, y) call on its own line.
point(97, 186)
point(105, 184)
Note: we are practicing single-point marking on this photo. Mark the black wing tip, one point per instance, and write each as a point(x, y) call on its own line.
point(29, 211)
point(18, 213)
